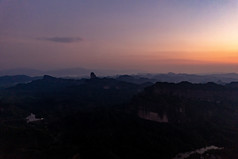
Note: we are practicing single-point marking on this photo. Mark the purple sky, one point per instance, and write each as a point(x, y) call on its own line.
point(194, 36)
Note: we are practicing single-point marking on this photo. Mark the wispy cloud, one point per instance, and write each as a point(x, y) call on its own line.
point(61, 39)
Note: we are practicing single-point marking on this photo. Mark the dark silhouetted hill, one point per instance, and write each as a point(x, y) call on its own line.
point(8, 81)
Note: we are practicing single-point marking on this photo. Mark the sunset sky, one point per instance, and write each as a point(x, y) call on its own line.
point(191, 36)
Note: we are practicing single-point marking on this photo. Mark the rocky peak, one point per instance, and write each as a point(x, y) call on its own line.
point(93, 75)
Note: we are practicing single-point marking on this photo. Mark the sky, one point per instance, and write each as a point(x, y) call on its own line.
point(157, 36)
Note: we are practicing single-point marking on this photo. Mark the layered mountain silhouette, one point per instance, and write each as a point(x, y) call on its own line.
point(124, 117)
point(8, 81)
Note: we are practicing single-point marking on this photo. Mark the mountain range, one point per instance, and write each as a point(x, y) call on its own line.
point(120, 117)
point(128, 75)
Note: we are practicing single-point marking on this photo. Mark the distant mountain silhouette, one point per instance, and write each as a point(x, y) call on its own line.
point(135, 79)
point(193, 78)
point(7, 81)
point(77, 72)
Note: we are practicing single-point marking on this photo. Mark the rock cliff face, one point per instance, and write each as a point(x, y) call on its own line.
point(154, 116)
point(207, 92)
point(185, 102)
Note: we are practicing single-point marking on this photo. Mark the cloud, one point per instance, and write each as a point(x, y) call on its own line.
point(61, 39)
